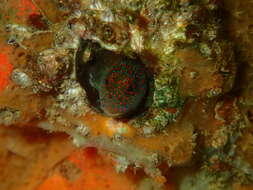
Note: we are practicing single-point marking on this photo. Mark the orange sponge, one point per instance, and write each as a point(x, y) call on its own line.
point(5, 71)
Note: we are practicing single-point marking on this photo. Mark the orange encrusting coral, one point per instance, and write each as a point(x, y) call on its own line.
point(5, 71)
point(17, 12)
point(96, 173)
point(105, 125)
point(25, 7)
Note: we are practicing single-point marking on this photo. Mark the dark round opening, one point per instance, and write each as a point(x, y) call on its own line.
point(116, 85)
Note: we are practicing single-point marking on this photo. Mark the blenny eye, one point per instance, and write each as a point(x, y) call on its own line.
point(116, 85)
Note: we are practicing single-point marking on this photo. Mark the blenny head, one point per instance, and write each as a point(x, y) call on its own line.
point(116, 85)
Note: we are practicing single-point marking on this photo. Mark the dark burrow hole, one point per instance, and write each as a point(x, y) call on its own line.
point(116, 85)
point(250, 116)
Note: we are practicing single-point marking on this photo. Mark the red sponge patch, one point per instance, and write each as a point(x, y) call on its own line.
point(5, 71)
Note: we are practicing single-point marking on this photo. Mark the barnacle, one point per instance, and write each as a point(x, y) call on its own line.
point(52, 66)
